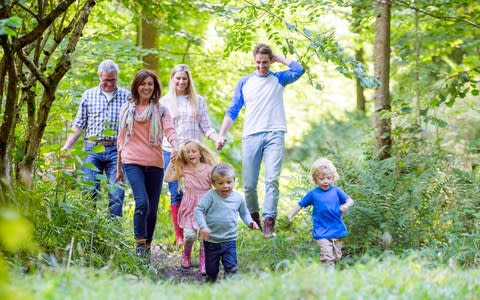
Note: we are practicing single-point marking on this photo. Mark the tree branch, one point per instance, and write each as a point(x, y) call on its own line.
point(42, 25)
point(404, 4)
point(63, 63)
point(29, 11)
point(58, 39)
point(38, 74)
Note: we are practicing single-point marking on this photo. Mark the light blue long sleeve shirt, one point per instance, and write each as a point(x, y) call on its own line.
point(220, 214)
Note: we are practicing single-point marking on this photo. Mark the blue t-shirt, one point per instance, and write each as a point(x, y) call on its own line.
point(326, 216)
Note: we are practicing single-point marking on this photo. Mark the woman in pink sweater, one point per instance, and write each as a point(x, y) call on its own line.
point(143, 123)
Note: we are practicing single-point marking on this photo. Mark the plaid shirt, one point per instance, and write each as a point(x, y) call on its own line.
point(95, 113)
point(186, 124)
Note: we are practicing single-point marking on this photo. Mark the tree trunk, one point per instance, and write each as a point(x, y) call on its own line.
point(417, 70)
point(35, 133)
point(383, 122)
point(359, 88)
point(8, 123)
point(148, 40)
point(25, 64)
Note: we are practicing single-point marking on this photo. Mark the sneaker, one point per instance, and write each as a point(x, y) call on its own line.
point(268, 228)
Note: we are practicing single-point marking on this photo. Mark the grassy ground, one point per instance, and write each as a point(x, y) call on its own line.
point(392, 278)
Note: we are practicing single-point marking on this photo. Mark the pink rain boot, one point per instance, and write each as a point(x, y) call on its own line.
point(201, 266)
point(178, 231)
point(187, 254)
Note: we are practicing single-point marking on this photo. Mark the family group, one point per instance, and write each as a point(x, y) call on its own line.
point(160, 138)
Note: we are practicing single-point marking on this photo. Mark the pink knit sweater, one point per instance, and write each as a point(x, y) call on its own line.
point(138, 150)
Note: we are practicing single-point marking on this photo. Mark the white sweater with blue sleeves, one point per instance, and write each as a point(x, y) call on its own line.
point(263, 100)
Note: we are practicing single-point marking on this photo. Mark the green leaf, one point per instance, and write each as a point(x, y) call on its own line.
point(406, 109)
point(342, 70)
point(307, 32)
point(98, 148)
point(475, 92)
point(291, 27)
point(67, 208)
point(109, 132)
point(90, 166)
point(318, 86)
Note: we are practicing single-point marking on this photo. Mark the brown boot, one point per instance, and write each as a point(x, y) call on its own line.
point(141, 248)
point(256, 217)
point(268, 228)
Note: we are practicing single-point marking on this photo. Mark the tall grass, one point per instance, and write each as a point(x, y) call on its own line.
point(391, 278)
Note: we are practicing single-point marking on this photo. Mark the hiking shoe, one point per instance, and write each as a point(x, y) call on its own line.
point(268, 228)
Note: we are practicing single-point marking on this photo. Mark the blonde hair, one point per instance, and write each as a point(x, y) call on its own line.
point(206, 156)
point(171, 96)
point(324, 166)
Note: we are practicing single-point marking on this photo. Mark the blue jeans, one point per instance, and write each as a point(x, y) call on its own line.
point(146, 183)
point(214, 252)
point(267, 146)
point(105, 162)
point(176, 194)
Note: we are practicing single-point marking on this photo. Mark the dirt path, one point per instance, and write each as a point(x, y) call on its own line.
point(166, 261)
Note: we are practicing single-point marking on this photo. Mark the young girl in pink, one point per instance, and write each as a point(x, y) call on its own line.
point(193, 164)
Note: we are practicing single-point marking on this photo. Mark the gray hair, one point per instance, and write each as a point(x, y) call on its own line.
point(108, 66)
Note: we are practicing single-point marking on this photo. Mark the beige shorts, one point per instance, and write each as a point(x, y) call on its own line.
point(330, 250)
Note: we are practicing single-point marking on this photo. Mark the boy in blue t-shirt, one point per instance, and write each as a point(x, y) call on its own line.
point(329, 202)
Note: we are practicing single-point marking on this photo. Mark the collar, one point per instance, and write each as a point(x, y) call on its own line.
point(263, 76)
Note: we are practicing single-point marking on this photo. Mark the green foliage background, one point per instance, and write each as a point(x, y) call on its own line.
point(424, 197)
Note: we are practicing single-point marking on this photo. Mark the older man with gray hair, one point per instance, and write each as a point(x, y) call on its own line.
point(98, 114)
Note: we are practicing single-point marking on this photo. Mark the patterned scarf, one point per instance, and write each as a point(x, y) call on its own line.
point(152, 113)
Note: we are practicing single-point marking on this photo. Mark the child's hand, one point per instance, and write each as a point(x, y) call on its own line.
point(253, 225)
point(284, 222)
point(173, 156)
point(344, 208)
point(205, 233)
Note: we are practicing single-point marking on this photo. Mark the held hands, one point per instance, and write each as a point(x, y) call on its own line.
point(205, 233)
point(220, 142)
point(173, 156)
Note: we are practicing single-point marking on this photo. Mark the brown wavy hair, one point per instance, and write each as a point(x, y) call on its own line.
point(137, 81)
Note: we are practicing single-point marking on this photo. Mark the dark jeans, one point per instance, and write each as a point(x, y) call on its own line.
point(146, 183)
point(105, 162)
point(175, 193)
point(214, 252)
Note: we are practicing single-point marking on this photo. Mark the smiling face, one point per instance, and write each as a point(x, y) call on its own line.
point(180, 81)
point(145, 89)
point(262, 63)
point(223, 185)
point(323, 180)
point(108, 81)
point(192, 154)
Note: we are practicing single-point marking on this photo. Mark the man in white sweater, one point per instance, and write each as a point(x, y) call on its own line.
point(261, 92)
